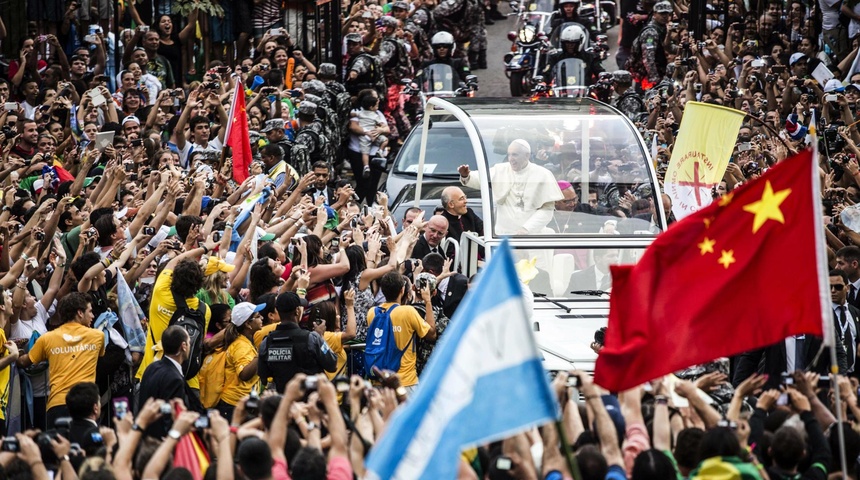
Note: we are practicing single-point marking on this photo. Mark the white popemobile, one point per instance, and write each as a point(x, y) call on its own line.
point(527, 158)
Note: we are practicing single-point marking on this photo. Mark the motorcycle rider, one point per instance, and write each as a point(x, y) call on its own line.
point(443, 52)
point(568, 11)
point(628, 99)
point(647, 62)
point(570, 42)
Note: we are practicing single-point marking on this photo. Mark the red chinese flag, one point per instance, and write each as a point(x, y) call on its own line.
point(743, 273)
point(237, 135)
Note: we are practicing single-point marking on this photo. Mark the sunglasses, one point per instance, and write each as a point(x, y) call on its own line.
point(837, 287)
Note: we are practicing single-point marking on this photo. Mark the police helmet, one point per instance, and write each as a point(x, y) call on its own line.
point(573, 35)
point(562, 2)
point(443, 39)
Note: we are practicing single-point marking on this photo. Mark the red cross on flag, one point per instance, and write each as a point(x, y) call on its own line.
point(701, 154)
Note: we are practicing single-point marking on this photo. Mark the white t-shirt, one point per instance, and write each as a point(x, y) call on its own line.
point(829, 13)
point(353, 138)
point(214, 145)
point(24, 329)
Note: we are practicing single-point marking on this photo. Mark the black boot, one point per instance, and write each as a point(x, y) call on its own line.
point(488, 18)
point(495, 14)
point(473, 60)
point(482, 59)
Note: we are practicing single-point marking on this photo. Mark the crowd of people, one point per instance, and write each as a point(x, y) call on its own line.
point(152, 300)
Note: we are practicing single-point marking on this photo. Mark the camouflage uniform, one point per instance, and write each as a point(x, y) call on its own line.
point(315, 91)
point(369, 75)
point(465, 20)
point(423, 17)
point(630, 103)
point(311, 144)
point(647, 62)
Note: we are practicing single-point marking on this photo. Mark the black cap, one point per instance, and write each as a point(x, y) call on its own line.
point(288, 302)
point(268, 299)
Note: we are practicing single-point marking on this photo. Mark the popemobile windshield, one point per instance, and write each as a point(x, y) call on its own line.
point(551, 174)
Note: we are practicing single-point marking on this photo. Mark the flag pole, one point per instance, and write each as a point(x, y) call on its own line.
point(834, 369)
point(572, 464)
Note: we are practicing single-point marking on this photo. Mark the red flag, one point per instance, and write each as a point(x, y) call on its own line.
point(743, 273)
point(237, 135)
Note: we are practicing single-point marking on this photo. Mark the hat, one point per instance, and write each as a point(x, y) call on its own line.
point(216, 264)
point(314, 87)
point(273, 124)
point(90, 180)
point(796, 57)
point(400, 4)
point(270, 301)
point(353, 37)
point(388, 21)
point(267, 237)
point(853, 85)
point(243, 311)
point(663, 7)
point(288, 302)
point(833, 85)
point(310, 97)
point(564, 185)
point(307, 108)
point(130, 118)
point(327, 70)
point(253, 135)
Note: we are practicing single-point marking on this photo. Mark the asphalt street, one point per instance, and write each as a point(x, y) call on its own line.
point(493, 82)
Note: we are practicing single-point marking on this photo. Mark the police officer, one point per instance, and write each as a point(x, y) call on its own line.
point(568, 11)
point(443, 52)
point(274, 131)
point(423, 16)
point(290, 349)
point(396, 65)
point(362, 69)
point(628, 99)
point(316, 92)
point(647, 62)
point(400, 11)
point(464, 19)
point(570, 42)
point(311, 143)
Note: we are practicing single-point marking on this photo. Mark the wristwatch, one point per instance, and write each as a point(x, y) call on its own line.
point(65, 458)
point(136, 427)
point(311, 426)
point(174, 434)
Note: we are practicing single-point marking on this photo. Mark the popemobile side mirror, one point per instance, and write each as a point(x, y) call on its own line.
point(471, 79)
point(406, 82)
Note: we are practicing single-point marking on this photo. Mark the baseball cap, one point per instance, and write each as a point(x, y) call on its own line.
point(216, 264)
point(288, 302)
point(353, 37)
point(327, 70)
point(243, 311)
point(273, 124)
point(833, 85)
point(796, 57)
point(267, 237)
point(400, 4)
point(308, 108)
point(130, 119)
point(663, 7)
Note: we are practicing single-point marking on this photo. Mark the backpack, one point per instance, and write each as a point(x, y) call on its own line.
point(194, 322)
point(381, 350)
point(213, 376)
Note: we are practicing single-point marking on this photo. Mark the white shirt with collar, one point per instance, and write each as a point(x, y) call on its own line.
point(175, 364)
point(850, 329)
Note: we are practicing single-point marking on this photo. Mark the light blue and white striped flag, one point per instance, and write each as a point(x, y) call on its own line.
point(483, 382)
point(130, 315)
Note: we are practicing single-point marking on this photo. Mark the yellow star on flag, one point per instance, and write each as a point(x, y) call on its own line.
point(727, 258)
point(726, 199)
point(707, 246)
point(768, 207)
point(707, 222)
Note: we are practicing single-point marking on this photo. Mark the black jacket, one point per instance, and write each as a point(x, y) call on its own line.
point(422, 249)
point(162, 380)
point(470, 222)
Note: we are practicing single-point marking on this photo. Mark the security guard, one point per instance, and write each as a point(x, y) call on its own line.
point(647, 62)
point(311, 144)
point(290, 349)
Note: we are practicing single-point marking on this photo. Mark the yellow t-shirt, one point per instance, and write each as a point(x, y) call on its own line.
point(262, 333)
point(4, 378)
point(72, 351)
point(334, 342)
point(239, 354)
point(161, 309)
point(406, 322)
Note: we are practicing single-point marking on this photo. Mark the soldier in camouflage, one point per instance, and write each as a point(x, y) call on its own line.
point(316, 92)
point(400, 11)
point(647, 62)
point(362, 69)
point(311, 144)
point(396, 66)
point(423, 17)
point(628, 99)
point(464, 19)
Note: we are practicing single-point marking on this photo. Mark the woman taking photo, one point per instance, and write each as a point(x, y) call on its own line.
point(241, 368)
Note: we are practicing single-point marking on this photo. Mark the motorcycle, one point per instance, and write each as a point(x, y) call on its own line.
point(528, 44)
point(568, 78)
point(600, 16)
point(437, 80)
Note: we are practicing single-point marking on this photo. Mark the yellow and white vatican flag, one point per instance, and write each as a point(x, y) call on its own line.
point(701, 154)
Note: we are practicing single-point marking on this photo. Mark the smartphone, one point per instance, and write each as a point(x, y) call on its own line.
point(103, 139)
point(335, 242)
point(10, 106)
point(202, 422)
point(39, 236)
point(777, 69)
point(144, 28)
point(97, 98)
point(503, 463)
point(311, 384)
point(275, 32)
point(744, 146)
point(10, 444)
point(216, 237)
point(757, 63)
point(149, 231)
point(128, 166)
point(830, 98)
point(136, 142)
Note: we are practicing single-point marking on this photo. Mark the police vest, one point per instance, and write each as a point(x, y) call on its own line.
point(368, 79)
point(287, 354)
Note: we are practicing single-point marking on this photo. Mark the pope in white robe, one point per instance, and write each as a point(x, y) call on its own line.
point(524, 194)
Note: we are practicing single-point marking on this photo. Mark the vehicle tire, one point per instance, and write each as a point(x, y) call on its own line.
point(517, 89)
